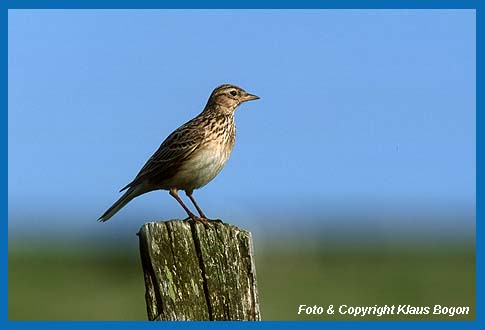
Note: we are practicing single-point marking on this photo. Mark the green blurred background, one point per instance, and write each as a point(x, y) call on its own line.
point(85, 281)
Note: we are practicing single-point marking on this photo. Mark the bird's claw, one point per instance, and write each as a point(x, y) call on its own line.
point(196, 219)
point(203, 220)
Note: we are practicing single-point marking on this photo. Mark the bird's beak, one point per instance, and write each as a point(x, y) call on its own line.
point(249, 97)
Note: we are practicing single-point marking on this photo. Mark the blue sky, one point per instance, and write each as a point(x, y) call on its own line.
point(364, 114)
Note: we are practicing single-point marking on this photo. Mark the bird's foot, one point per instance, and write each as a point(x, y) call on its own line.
point(203, 216)
point(204, 220)
point(215, 221)
point(195, 218)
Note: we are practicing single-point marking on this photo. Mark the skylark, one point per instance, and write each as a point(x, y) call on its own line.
point(192, 155)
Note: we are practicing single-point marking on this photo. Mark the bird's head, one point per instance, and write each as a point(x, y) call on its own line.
point(227, 97)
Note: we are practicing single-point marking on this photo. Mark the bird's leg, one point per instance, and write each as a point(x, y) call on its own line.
point(189, 194)
point(174, 194)
point(201, 213)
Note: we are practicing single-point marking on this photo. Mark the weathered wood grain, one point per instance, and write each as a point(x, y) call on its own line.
point(197, 272)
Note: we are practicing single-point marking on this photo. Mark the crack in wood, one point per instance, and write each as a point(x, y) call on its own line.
point(202, 268)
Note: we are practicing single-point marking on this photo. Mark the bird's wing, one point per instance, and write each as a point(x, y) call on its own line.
point(165, 162)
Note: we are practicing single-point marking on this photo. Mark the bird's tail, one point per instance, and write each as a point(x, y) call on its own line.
point(131, 193)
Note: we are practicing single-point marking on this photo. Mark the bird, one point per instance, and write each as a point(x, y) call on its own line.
point(192, 155)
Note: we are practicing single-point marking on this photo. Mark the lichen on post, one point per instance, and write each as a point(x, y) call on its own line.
point(198, 272)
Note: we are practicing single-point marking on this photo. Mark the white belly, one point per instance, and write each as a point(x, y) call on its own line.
point(201, 167)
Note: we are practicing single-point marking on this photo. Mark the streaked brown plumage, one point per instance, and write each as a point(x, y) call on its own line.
point(192, 155)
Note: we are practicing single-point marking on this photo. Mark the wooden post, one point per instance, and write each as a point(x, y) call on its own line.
point(197, 272)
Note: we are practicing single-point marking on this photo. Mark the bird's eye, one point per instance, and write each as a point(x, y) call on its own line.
point(233, 93)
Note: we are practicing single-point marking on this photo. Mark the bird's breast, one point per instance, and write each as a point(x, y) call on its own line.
point(205, 162)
